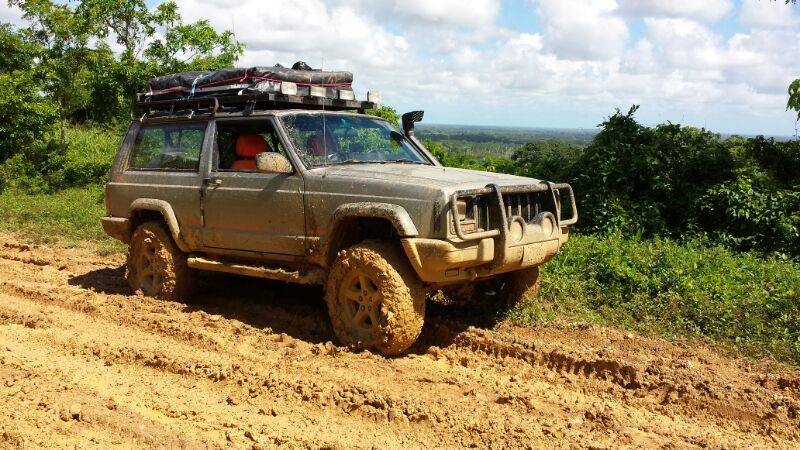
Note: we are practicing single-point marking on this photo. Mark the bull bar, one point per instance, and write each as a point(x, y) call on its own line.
point(554, 190)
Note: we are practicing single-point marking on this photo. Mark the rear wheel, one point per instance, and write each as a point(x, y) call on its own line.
point(156, 266)
point(375, 299)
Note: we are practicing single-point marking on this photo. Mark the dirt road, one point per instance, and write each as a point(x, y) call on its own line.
point(248, 363)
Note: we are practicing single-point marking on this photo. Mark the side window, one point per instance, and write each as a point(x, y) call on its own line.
point(164, 147)
point(238, 143)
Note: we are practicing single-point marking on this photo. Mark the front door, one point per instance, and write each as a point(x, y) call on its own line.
point(247, 210)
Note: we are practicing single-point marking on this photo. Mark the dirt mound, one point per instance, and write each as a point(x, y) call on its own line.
point(250, 363)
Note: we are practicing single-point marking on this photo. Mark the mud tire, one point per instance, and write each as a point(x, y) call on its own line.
point(156, 266)
point(391, 296)
point(521, 286)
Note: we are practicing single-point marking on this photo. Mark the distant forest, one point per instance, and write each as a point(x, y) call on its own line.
point(480, 141)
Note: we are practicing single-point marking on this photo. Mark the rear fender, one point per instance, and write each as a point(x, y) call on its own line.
point(164, 208)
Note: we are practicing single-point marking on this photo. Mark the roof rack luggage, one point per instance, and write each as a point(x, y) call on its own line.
point(244, 90)
point(245, 104)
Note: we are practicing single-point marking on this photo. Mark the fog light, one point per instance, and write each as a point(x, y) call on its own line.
point(547, 221)
point(516, 230)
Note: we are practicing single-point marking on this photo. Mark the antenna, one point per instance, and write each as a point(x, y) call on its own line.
point(324, 123)
point(233, 30)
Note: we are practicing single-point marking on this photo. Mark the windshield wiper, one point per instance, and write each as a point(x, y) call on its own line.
point(382, 161)
point(405, 161)
point(348, 161)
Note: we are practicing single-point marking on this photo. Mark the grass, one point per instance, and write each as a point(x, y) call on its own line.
point(67, 217)
point(743, 301)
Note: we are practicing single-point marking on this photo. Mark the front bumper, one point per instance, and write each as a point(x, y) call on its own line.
point(444, 262)
point(515, 243)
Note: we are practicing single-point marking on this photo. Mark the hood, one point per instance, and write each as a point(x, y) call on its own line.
point(424, 175)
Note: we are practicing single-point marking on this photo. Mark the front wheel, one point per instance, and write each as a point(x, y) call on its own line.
point(375, 299)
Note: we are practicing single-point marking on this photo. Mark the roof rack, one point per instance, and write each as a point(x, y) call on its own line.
point(245, 104)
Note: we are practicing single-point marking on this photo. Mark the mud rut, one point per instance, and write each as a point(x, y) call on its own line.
point(249, 364)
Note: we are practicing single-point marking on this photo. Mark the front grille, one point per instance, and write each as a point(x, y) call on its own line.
point(480, 215)
point(525, 204)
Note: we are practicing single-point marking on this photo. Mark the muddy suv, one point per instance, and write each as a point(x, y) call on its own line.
point(311, 190)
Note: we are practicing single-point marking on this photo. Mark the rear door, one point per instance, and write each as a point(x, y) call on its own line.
point(247, 210)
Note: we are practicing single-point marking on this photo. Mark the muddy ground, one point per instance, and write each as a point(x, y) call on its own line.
point(249, 363)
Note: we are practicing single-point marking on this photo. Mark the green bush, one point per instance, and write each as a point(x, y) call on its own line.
point(86, 160)
point(743, 300)
point(669, 181)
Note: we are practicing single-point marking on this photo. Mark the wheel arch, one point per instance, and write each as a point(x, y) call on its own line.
point(144, 209)
point(354, 222)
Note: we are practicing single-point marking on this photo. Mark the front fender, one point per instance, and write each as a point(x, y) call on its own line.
point(395, 214)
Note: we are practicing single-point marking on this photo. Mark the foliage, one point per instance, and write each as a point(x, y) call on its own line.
point(548, 160)
point(25, 116)
point(669, 181)
point(63, 63)
point(794, 97)
point(386, 112)
point(131, 22)
point(63, 54)
point(87, 159)
point(661, 287)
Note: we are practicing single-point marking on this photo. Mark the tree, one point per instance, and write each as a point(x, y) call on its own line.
point(196, 46)
point(63, 62)
point(794, 97)
point(25, 115)
point(386, 112)
point(794, 88)
point(130, 21)
point(87, 80)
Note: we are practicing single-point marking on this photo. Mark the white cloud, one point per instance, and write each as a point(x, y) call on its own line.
point(469, 13)
point(684, 43)
point(769, 14)
point(701, 10)
point(309, 30)
point(456, 60)
point(583, 29)
point(10, 14)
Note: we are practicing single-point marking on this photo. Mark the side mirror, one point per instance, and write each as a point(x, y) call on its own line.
point(271, 162)
point(409, 119)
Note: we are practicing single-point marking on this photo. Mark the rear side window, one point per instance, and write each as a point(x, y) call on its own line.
point(168, 147)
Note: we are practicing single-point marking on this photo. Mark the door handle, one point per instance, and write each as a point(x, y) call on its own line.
point(213, 182)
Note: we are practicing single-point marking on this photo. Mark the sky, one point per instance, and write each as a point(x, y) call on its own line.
point(720, 64)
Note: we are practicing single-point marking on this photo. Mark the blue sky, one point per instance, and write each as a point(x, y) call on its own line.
point(720, 64)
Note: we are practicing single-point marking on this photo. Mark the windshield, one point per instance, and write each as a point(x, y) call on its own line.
point(328, 139)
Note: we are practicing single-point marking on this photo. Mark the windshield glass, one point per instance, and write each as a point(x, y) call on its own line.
point(328, 139)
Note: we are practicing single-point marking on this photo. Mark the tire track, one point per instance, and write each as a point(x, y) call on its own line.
point(248, 364)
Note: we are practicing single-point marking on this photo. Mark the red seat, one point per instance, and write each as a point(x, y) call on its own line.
point(247, 147)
